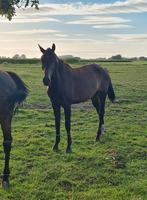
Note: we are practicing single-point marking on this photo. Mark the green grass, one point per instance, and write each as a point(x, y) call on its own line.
point(113, 169)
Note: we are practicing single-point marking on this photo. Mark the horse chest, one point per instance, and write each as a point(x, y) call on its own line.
point(59, 95)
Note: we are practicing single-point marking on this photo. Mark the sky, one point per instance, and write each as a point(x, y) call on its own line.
point(87, 29)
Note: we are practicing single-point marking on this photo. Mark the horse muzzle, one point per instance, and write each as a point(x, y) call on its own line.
point(46, 81)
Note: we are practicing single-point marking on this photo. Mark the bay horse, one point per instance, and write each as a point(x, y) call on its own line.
point(13, 91)
point(67, 86)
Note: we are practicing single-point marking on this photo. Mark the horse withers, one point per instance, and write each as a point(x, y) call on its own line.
point(13, 92)
point(67, 86)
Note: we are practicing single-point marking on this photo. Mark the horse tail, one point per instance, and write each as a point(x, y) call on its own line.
point(22, 89)
point(111, 93)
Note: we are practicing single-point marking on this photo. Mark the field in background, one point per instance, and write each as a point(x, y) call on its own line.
point(113, 169)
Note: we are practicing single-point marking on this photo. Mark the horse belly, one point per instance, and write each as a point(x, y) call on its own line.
point(84, 90)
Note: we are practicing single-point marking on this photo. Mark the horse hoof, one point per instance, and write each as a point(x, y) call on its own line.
point(97, 138)
point(68, 150)
point(5, 184)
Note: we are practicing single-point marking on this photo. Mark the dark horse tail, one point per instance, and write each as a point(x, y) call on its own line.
point(22, 89)
point(111, 93)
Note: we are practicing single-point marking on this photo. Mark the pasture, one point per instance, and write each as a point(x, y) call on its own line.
point(113, 169)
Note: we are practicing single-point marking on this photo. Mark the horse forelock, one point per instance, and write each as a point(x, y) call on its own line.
point(49, 50)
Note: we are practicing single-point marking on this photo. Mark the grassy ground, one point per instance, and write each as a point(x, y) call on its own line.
point(113, 169)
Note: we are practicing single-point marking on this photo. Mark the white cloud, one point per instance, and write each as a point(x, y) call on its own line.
point(30, 32)
point(79, 35)
point(61, 35)
point(103, 22)
point(100, 20)
point(113, 26)
point(23, 20)
point(130, 37)
point(128, 6)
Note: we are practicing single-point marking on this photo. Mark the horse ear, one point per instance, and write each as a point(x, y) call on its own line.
point(53, 47)
point(41, 49)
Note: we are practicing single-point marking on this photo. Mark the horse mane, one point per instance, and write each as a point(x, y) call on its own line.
point(22, 89)
point(64, 63)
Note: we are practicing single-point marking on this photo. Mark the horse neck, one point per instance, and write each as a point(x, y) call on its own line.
point(62, 69)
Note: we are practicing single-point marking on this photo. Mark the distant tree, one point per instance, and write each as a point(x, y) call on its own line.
point(142, 58)
point(116, 57)
point(133, 58)
point(100, 59)
point(16, 57)
point(78, 58)
point(8, 7)
point(20, 57)
point(23, 56)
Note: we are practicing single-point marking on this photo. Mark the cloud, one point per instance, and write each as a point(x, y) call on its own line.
point(92, 43)
point(103, 22)
point(86, 48)
point(100, 20)
point(30, 32)
point(129, 37)
point(61, 35)
point(113, 26)
point(28, 19)
point(128, 6)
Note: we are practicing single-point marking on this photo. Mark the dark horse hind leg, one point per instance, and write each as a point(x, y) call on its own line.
point(57, 113)
point(67, 111)
point(6, 127)
point(99, 103)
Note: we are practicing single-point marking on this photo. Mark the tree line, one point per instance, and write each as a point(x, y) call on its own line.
point(22, 59)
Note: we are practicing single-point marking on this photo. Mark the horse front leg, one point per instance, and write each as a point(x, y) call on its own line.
point(6, 127)
point(67, 111)
point(57, 113)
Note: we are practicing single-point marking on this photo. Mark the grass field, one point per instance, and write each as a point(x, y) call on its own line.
point(113, 169)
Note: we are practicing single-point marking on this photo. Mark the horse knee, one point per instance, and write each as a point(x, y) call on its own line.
point(7, 146)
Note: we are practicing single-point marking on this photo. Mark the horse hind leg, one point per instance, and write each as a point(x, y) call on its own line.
point(95, 102)
point(67, 111)
point(99, 103)
point(102, 99)
point(6, 128)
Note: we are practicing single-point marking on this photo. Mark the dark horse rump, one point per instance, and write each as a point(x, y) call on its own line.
point(13, 91)
point(22, 90)
point(67, 86)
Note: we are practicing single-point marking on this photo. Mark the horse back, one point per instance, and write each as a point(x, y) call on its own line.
point(87, 81)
